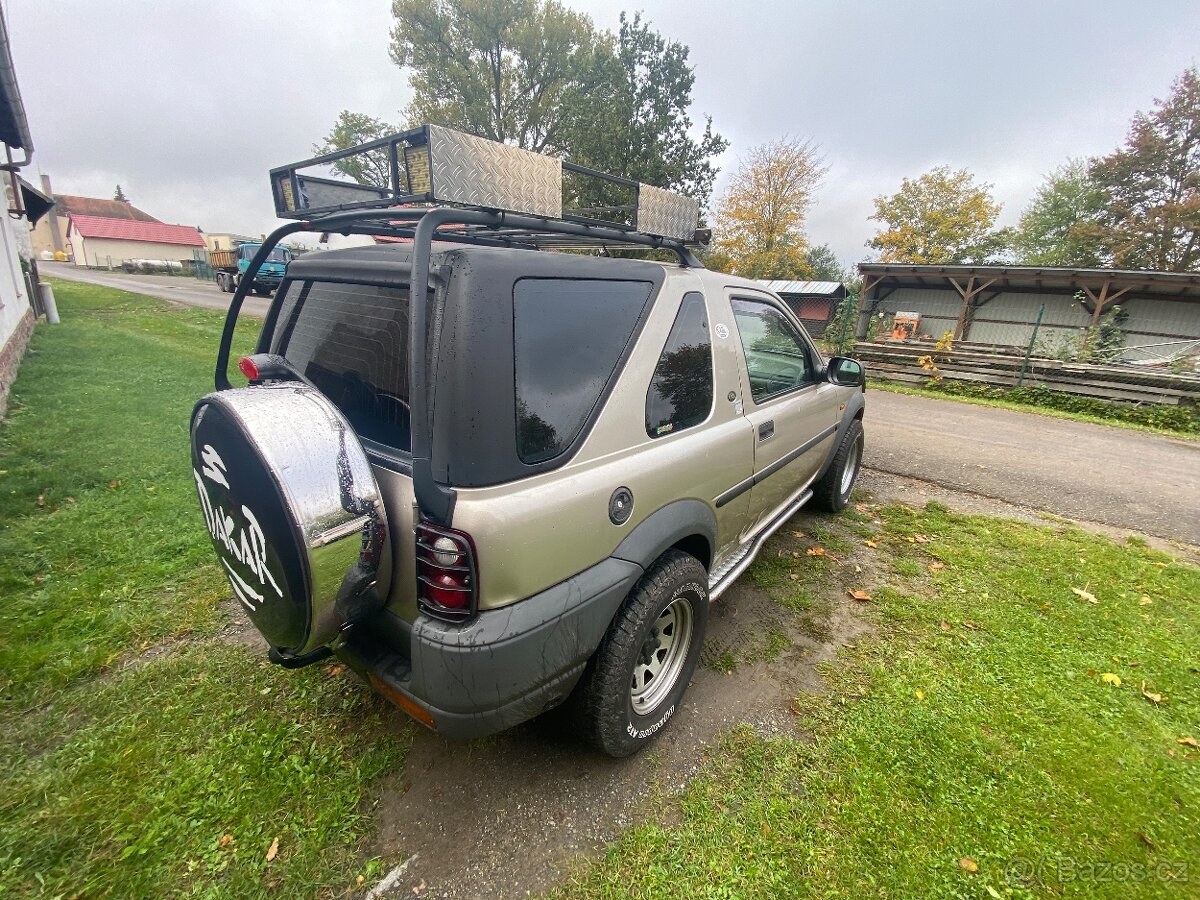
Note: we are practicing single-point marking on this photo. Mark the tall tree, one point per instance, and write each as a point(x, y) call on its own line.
point(824, 264)
point(943, 217)
point(634, 120)
point(1059, 227)
point(509, 70)
point(1152, 184)
point(119, 194)
point(759, 222)
point(349, 130)
point(535, 74)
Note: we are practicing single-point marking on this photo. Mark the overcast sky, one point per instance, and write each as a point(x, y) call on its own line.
point(187, 105)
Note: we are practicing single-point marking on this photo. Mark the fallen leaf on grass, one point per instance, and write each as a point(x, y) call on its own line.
point(225, 840)
point(945, 626)
point(968, 864)
point(794, 576)
point(1111, 678)
point(871, 544)
point(1188, 742)
point(1145, 601)
point(335, 669)
point(273, 851)
point(815, 551)
point(860, 596)
point(967, 623)
point(798, 534)
point(936, 566)
point(920, 539)
point(1084, 595)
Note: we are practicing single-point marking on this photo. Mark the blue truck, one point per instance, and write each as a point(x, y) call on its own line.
point(230, 267)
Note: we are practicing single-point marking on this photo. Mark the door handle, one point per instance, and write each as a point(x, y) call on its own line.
point(766, 430)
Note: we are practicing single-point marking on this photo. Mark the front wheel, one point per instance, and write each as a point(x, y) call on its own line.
point(635, 681)
point(832, 492)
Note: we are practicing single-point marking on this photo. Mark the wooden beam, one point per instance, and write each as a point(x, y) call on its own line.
point(961, 327)
point(1100, 301)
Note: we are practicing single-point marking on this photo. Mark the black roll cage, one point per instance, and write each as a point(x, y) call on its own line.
point(479, 227)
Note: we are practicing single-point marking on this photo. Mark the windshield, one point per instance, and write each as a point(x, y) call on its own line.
point(278, 255)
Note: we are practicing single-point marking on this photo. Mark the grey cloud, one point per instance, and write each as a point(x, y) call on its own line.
point(188, 105)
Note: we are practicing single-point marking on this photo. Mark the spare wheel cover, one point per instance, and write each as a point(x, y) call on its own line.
point(293, 510)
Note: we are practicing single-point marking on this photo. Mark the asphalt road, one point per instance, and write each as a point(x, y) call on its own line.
point(1097, 473)
point(174, 289)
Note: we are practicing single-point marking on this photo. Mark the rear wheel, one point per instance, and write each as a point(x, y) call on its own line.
point(832, 492)
point(636, 679)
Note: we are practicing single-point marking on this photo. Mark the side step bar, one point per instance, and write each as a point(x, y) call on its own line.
point(727, 573)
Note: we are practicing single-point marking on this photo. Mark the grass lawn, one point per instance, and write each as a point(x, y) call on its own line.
point(992, 739)
point(999, 734)
point(176, 774)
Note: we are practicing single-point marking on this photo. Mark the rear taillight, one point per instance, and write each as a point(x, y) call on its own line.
point(447, 585)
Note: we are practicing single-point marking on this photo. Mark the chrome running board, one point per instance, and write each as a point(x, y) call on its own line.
point(737, 563)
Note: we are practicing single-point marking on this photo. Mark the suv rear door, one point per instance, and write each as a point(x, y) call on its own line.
point(792, 409)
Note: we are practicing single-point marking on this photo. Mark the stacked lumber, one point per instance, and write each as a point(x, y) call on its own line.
point(993, 366)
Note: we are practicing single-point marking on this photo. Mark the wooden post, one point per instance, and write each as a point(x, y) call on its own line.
point(863, 323)
point(962, 327)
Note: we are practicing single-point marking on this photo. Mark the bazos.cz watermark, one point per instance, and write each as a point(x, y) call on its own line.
point(1023, 871)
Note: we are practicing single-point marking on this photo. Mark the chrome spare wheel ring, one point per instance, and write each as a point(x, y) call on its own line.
point(662, 656)
point(851, 469)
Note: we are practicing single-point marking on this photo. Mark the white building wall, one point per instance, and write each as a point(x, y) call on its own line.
point(107, 251)
point(14, 302)
point(16, 315)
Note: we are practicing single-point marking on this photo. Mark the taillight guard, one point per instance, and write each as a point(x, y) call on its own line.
point(448, 591)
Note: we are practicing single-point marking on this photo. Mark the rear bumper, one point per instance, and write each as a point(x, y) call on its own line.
point(505, 666)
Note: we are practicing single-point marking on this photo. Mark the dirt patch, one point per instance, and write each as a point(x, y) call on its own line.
point(508, 816)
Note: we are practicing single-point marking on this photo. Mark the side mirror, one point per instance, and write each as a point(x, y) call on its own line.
point(845, 372)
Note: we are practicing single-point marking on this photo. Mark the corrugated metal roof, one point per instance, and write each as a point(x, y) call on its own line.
point(129, 230)
point(811, 288)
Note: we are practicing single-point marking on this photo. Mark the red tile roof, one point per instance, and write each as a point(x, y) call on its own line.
point(129, 230)
point(97, 206)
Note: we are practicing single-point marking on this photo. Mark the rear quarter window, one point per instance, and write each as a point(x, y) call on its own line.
point(569, 335)
point(681, 392)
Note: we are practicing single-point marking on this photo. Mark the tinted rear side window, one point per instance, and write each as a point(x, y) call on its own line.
point(351, 341)
point(568, 337)
point(681, 392)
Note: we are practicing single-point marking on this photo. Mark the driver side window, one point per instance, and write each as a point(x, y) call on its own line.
point(777, 359)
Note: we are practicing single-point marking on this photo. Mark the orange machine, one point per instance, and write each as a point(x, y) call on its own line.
point(904, 326)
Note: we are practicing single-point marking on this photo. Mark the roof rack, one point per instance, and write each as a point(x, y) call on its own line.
point(434, 183)
point(435, 166)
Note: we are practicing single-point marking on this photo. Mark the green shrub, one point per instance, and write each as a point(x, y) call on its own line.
point(1168, 418)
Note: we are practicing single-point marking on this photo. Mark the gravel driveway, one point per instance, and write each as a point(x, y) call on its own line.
point(1096, 473)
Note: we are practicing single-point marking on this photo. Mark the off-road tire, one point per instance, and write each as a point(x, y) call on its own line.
point(601, 709)
point(832, 492)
